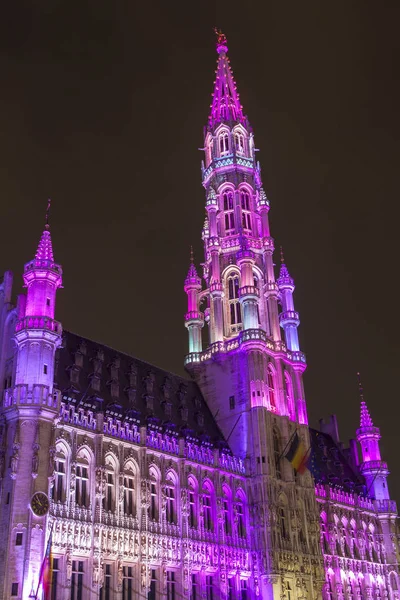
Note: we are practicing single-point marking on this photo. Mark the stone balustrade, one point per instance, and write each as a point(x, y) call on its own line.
point(32, 322)
point(24, 394)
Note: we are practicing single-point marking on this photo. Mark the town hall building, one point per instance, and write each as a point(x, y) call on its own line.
point(145, 485)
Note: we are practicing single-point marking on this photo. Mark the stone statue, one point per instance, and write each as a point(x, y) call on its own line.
point(14, 461)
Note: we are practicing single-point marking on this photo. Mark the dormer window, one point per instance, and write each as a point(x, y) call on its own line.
point(224, 143)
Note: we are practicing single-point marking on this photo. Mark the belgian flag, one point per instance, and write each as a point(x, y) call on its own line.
point(297, 455)
point(46, 571)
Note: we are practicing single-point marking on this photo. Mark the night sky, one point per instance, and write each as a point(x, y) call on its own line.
point(102, 108)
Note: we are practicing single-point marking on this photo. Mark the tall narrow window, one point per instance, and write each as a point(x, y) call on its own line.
point(207, 512)
point(231, 588)
point(153, 586)
point(277, 454)
point(271, 389)
point(127, 583)
point(54, 579)
point(77, 580)
point(195, 587)
point(129, 508)
point(45, 369)
point(229, 212)
point(282, 523)
point(239, 143)
point(235, 312)
point(170, 498)
point(227, 515)
point(246, 213)
point(171, 585)
point(105, 591)
point(192, 508)
point(153, 501)
point(240, 520)
point(243, 589)
point(81, 485)
point(209, 588)
point(223, 143)
point(108, 500)
point(59, 477)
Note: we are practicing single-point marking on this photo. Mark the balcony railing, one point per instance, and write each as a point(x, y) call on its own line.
point(32, 322)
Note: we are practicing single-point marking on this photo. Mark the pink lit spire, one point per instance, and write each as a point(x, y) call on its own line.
point(192, 276)
point(225, 98)
point(284, 275)
point(45, 247)
point(365, 417)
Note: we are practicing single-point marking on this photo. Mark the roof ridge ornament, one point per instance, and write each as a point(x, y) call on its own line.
point(365, 417)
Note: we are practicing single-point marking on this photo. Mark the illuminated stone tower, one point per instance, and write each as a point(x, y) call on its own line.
point(249, 373)
point(30, 409)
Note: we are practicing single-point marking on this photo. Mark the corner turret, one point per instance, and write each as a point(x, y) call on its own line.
point(194, 319)
point(288, 318)
point(372, 467)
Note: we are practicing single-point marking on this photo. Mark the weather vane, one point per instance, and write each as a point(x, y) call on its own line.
point(48, 212)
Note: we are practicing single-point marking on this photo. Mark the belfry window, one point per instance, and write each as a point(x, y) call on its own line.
point(246, 214)
point(208, 525)
point(234, 308)
point(224, 143)
point(240, 519)
point(227, 198)
point(108, 500)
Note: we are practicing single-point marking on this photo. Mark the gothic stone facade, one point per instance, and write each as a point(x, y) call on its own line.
point(161, 487)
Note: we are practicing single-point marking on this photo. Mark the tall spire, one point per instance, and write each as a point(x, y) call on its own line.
point(365, 417)
point(45, 248)
point(225, 98)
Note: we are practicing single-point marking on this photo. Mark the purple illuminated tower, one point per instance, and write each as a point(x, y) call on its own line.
point(249, 373)
point(30, 411)
point(372, 467)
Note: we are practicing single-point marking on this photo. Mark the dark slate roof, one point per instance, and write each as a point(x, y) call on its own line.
point(329, 465)
point(92, 374)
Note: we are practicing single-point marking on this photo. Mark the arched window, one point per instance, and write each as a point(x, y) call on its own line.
point(60, 471)
point(223, 143)
point(170, 497)
point(271, 388)
point(239, 143)
point(82, 481)
point(129, 491)
point(235, 313)
point(277, 453)
point(246, 214)
point(227, 198)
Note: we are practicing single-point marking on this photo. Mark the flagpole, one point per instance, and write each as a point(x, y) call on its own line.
point(43, 562)
point(283, 452)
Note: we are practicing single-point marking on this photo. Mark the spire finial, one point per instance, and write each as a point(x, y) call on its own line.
point(282, 256)
point(222, 44)
point(48, 213)
point(360, 387)
point(191, 255)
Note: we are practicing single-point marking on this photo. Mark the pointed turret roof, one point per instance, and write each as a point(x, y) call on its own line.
point(45, 247)
point(284, 275)
point(192, 277)
point(225, 98)
point(365, 417)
